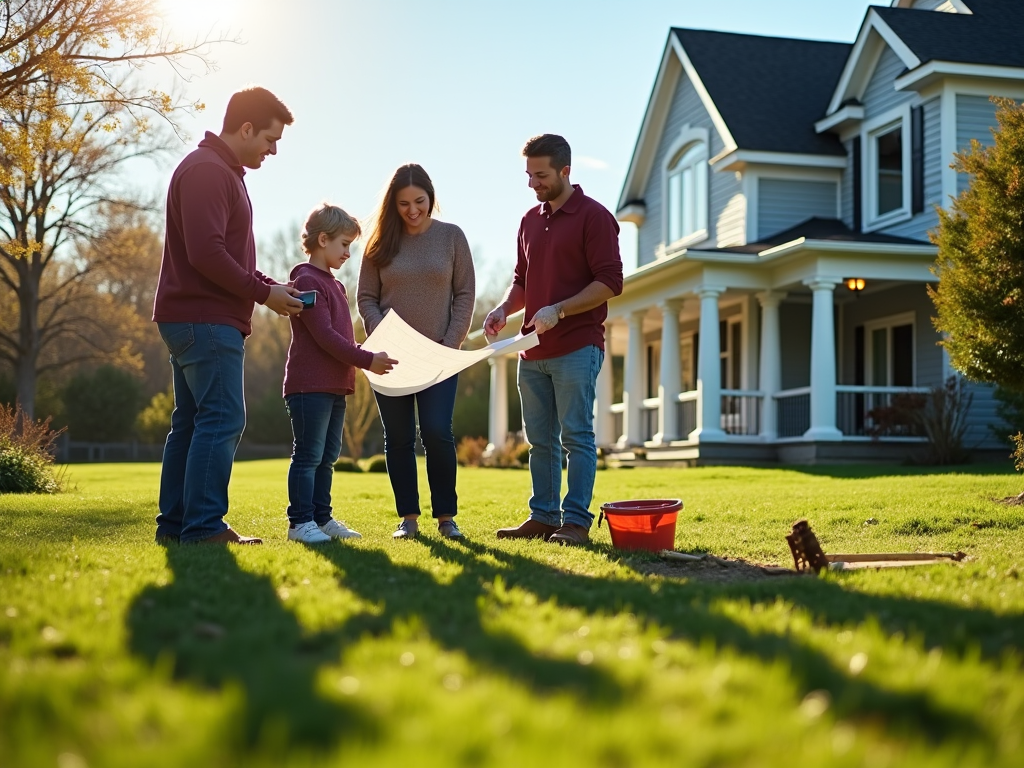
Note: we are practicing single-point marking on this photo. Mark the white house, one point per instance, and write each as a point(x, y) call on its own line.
point(768, 174)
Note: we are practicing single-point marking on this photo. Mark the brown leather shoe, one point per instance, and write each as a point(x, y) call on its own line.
point(531, 529)
point(229, 537)
point(571, 535)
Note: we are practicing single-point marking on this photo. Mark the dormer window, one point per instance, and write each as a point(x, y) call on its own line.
point(686, 214)
point(887, 169)
point(889, 150)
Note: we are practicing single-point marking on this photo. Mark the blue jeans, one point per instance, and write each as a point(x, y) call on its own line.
point(435, 406)
point(558, 413)
point(318, 421)
point(206, 425)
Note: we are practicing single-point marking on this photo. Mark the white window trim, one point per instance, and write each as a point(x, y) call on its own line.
point(872, 129)
point(888, 323)
point(687, 136)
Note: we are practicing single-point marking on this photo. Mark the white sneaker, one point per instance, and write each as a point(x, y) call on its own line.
point(307, 533)
point(338, 530)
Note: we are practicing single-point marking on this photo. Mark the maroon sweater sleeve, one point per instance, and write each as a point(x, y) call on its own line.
point(317, 320)
point(601, 239)
point(519, 276)
point(206, 193)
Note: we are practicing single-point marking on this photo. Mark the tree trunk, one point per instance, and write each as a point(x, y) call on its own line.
point(28, 340)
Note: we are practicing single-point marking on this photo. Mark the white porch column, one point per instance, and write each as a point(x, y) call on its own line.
point(497, 405)
point(670, 374)
point(770, 375)
point(823, 361)
point(633, 391)
point(603, 421)
point(709, 371)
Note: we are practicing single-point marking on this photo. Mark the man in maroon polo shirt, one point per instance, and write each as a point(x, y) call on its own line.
point(205, 296)
point(568, 268)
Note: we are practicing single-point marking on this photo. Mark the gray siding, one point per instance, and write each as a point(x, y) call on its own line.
point(895, 301)
point(927, 5)
point(846, 188)
point(982, 414)
point(975, 118)
point(918, 226)
point(783, 203)
point(881, 94)
point(725, 203)
point(795, 335)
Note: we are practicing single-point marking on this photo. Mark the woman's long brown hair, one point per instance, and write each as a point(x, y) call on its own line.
point(386, 236)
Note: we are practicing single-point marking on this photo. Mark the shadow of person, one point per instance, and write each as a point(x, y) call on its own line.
point(221, 626)
point(689, 611)
point(451, 613)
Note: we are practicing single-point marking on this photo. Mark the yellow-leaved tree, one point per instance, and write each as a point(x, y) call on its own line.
point(73, 111)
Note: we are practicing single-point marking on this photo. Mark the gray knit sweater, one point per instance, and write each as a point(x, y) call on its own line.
point(430, 282)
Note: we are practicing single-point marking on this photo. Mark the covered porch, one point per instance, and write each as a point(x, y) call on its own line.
point(732, 357)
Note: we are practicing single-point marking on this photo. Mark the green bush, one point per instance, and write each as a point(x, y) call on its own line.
point(154, 422)
point(347, 464)
point(377, 463)
point(101, 405)
point(267, 422)
point(26, 454)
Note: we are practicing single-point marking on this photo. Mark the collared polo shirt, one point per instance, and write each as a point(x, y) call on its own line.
point(560, 254)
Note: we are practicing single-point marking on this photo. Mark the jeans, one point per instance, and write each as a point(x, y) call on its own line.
point(318, 420)
point(206, 425)
point(558, 412)
point(435, 406)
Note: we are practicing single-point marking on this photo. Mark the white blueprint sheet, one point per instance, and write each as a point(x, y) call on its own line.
point(422, 362)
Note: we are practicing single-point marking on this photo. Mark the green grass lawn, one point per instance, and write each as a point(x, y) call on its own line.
point(117, 652)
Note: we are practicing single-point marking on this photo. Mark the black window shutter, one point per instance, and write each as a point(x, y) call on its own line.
point(917, 159)
point(858, 186)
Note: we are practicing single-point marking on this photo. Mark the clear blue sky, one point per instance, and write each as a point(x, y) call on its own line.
point(457, 86)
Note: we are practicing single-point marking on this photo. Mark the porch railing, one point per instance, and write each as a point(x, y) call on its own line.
point(741, 411)
point(793, 411)
point(877, 411)
point(686, 413)
point(649, 417)
point(618, 419)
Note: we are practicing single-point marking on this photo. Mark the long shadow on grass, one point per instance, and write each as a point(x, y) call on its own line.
point(451, 613)
point(223, 627)
point(687, 612)
point(859, 471)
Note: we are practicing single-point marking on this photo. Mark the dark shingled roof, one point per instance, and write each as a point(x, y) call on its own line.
point(769, 90)
point(820, 229)
point(992, 34)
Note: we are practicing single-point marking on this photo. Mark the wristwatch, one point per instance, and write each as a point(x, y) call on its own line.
point(561, 312)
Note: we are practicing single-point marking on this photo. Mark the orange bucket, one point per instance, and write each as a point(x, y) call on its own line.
point(645, 524)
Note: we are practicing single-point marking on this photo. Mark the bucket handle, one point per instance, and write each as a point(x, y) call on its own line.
point(600, 517)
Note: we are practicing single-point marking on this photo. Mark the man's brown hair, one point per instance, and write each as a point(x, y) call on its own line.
point(257, 106)
point(550, 145)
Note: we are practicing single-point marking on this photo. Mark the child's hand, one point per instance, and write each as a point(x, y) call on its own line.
point(382, 363)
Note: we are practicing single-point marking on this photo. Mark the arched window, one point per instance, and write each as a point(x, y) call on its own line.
point(687, 194)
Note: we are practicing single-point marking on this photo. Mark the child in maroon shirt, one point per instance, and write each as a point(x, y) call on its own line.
point(319, 373)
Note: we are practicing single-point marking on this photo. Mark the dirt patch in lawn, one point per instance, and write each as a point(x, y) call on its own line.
point(720, 570)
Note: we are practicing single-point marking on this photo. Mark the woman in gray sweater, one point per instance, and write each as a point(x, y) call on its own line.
point(421, 268)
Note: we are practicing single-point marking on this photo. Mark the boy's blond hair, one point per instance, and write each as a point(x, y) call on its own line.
point(330, 220)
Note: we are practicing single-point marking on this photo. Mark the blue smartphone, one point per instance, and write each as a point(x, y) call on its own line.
point(308, 298)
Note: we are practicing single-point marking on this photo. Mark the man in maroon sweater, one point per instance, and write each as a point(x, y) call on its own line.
point(205, 296)
point(568, 268)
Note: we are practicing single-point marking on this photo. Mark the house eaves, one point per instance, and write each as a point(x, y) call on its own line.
point(674, 62)
point(874, 34)
point(762, 94)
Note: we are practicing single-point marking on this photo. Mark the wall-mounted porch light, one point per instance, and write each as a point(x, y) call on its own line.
point(855, 284)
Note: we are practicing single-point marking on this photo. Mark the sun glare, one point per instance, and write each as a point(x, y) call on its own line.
point(199, 14)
